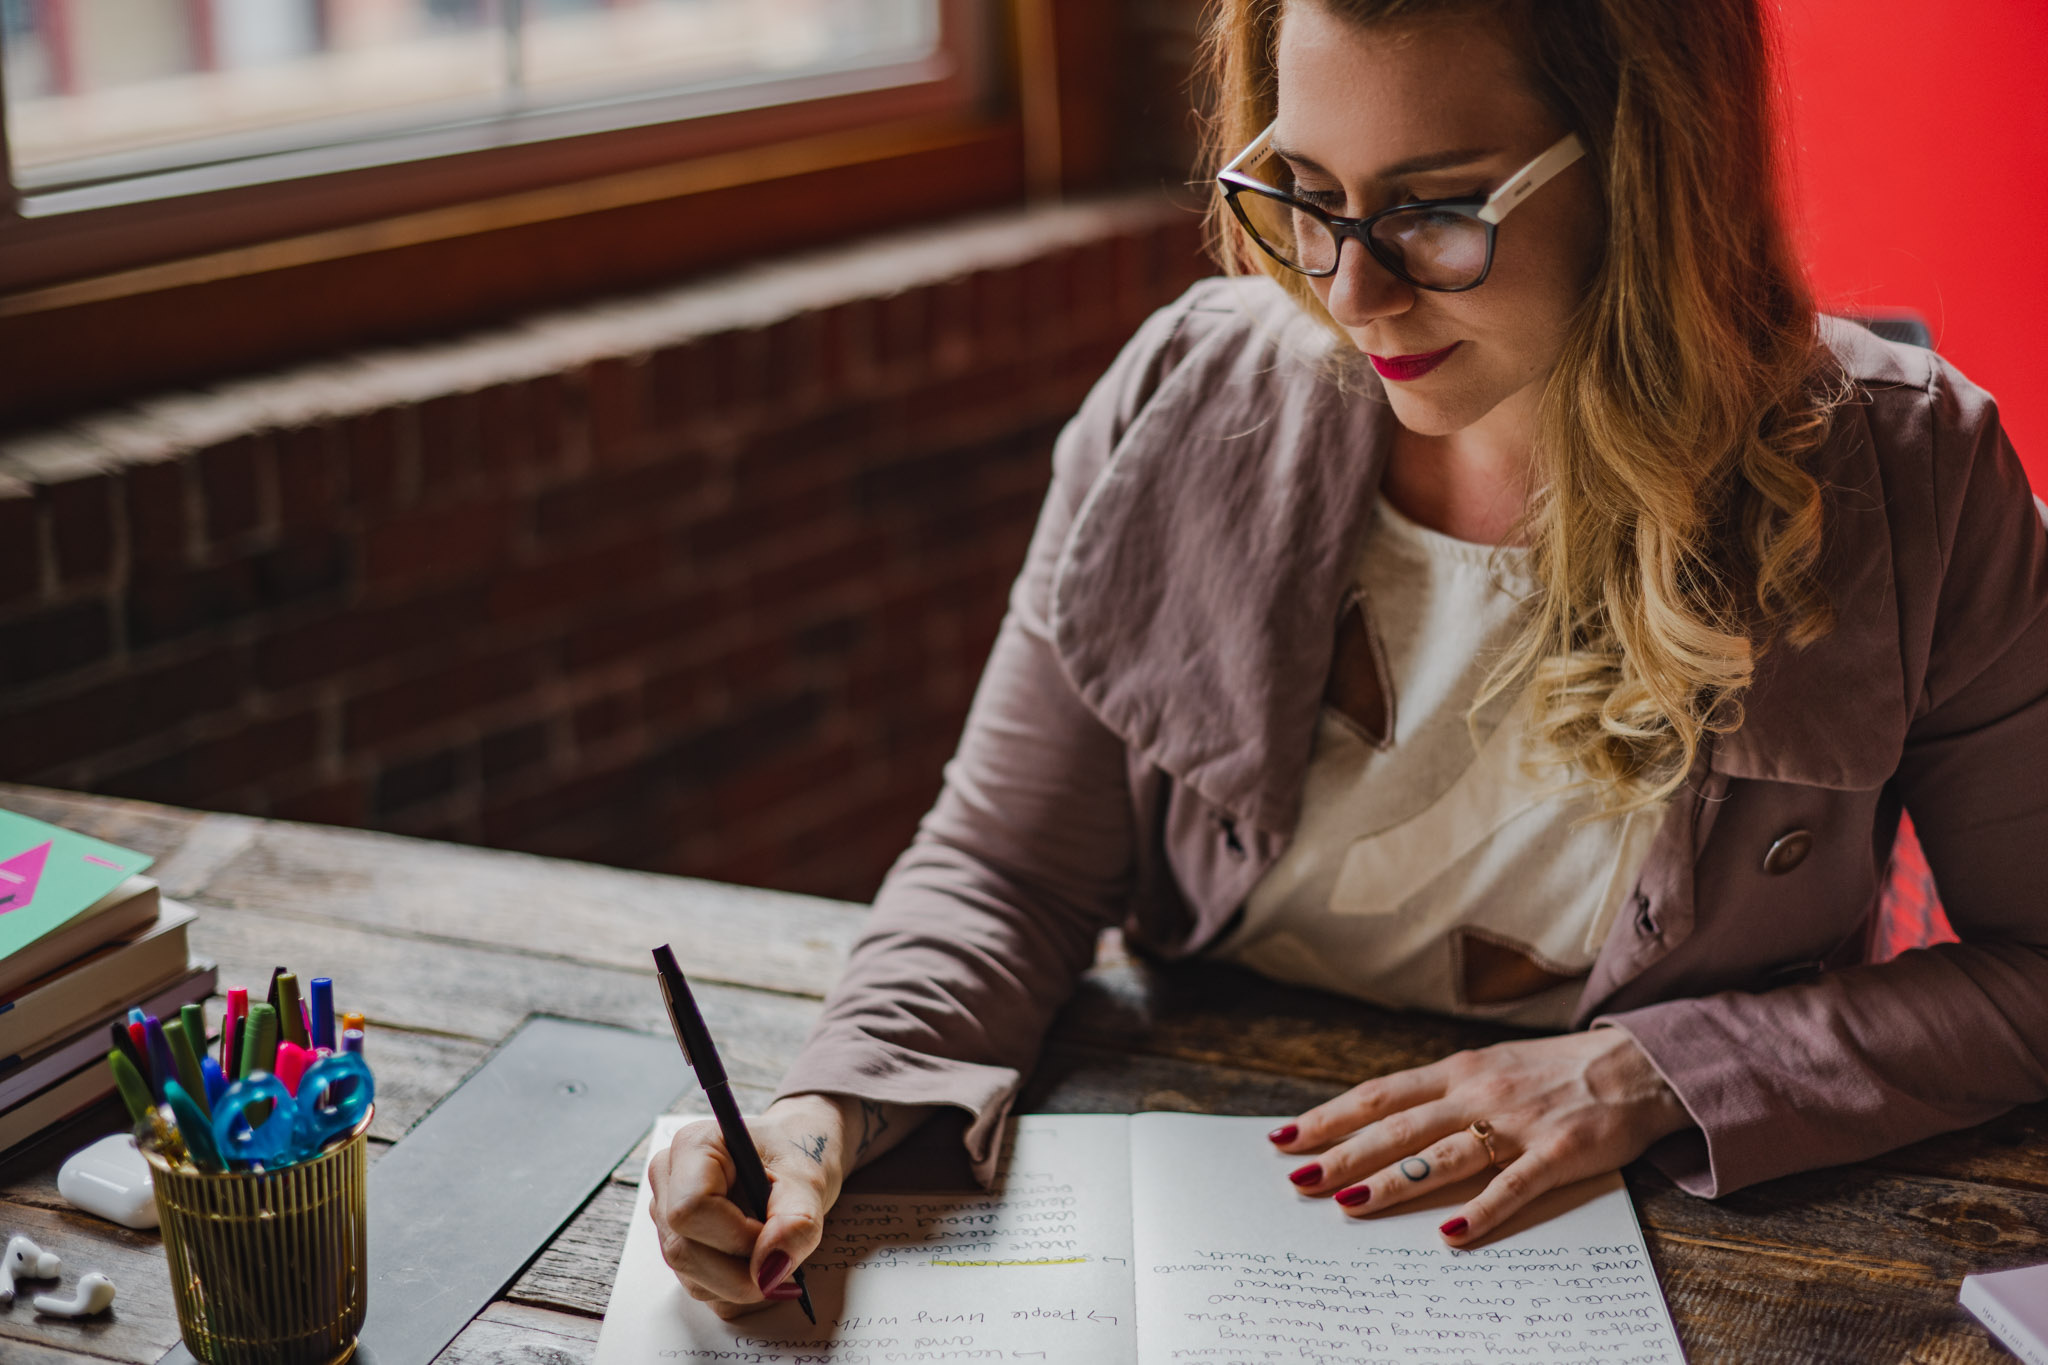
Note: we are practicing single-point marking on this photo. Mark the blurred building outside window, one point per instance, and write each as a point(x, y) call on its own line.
point(98, 91)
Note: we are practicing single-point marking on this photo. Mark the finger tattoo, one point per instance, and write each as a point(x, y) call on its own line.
point(1415, 1168)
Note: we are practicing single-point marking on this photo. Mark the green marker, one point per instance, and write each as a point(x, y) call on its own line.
point(186, 1063)
point(134, 1091)
point(259, 1053)
point(291, 1017)
point(194, 1019)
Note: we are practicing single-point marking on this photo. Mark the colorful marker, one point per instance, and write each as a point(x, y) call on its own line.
point(291, 1017)
point(194, 1018)
point(134, 1091)
point(125, 1045)
point(321, 991)
point(194, 1128)
point(231, 1030)
point(259, 1052)
point(161, 1068)
point(292, 1061)
point(185, 1063)
point(216, 1081)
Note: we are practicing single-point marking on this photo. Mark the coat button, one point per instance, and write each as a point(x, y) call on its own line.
point(1788, 851)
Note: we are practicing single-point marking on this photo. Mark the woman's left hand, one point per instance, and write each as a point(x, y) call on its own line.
point(1560, 1109)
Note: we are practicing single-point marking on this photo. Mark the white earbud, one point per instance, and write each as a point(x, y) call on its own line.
point(24, 1260)
point(95, 1294)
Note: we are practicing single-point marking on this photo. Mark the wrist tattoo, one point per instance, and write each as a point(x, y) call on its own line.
point(813, 1147)
point(874, 1121)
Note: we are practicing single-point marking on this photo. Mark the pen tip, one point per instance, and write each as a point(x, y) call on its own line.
point(803, 1297)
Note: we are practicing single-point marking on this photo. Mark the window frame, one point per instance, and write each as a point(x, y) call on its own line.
point(83, 338)
point(119, 229)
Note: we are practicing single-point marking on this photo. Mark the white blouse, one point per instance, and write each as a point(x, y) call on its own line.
point(1405, 854)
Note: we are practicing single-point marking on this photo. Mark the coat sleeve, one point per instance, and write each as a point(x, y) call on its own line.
point(1865, 1059)
point(984, 925)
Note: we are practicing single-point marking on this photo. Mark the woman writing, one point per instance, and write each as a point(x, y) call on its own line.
point(1504, 598)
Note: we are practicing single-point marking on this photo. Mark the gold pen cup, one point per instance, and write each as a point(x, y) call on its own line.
point(270, 1267)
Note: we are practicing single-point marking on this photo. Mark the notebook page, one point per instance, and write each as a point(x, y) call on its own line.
point(1233, 1266)
point(1036, 1269)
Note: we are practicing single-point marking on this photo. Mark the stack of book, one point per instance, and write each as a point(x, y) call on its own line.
point(83, 938)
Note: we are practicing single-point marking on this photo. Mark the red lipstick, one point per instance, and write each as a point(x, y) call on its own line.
point(1410, 366)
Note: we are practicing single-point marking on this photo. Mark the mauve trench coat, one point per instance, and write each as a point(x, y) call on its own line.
point(1136, 751)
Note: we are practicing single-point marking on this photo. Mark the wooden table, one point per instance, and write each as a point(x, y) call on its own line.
point(447, 948)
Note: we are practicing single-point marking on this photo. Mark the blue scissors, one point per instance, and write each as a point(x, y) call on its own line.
point(334, 1094)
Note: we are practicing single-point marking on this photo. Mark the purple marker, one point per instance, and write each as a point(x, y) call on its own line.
point(159, 1056)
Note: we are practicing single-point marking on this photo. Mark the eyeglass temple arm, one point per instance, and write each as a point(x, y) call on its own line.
point(1531, 177)
point(1251, 149)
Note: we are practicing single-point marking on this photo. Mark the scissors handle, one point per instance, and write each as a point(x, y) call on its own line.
point(334, 1094)
point(267, 1143)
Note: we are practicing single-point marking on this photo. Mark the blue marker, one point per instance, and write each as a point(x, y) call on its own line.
point(216, 1080)
point(323, 1012)
point(352, 1041)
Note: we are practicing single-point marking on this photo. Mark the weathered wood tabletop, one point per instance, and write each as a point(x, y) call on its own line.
point(448, 948)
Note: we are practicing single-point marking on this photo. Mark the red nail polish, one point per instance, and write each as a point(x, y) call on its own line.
point(772, 1268)
point(1307, 1175)
point(1455, 1228)
point(1356, 1195)
point(785, 1293)
point(1285, 1135)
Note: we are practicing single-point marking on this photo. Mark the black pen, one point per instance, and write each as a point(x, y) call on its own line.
point(702, 1055)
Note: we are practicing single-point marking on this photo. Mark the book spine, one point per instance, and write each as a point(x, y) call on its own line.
point(2018, 1338)
point(132, 970)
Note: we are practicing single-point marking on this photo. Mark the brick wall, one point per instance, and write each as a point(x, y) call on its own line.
point(699, 583)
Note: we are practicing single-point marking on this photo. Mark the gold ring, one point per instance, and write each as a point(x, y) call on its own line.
point(1483, 1130)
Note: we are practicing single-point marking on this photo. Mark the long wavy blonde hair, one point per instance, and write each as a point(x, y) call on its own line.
point(1676, 531)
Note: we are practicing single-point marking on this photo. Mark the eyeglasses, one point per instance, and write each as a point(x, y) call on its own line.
point(1440, 244)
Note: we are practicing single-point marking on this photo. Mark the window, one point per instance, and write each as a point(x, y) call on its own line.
point(106, 96)
point(158, 147)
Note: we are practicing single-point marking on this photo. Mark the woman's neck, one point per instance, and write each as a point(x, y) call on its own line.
point(1471, 485)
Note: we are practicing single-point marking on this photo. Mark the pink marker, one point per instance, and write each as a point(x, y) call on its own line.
point(292, 1061)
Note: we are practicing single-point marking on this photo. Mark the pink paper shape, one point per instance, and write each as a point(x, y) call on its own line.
point(20, 875)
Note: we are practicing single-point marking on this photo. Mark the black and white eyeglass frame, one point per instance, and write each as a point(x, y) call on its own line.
point(1487, 209)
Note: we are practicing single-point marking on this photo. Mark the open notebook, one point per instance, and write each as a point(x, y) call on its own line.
point(1144, 1239)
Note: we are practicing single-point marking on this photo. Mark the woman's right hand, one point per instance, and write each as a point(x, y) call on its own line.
point(808, 1143)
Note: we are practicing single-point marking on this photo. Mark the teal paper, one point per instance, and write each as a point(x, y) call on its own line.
point(48, 875)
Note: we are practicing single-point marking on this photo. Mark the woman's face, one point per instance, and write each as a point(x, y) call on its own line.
point(1354, 103)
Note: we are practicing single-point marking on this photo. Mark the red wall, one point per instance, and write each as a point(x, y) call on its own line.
point(1921, 176)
